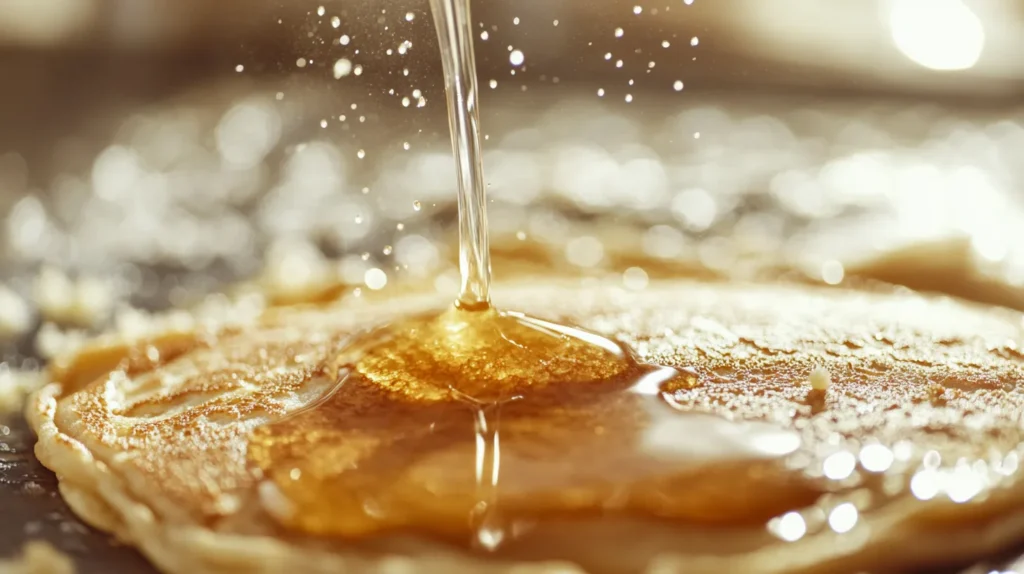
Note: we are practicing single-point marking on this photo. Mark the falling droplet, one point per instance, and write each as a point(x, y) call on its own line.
point(344, 40)
point(342, 68)
point(416, 205)
point(301, 62)
point(335, 21)
point(359, 219)
point(665, 44)
point(629, 98)
point(484, 35)
point(406, 146)
point(516, 57)
point(409, 16)
point(637, 9)
point(361, 154)
point(239, 68)
point(600, 92)
point(493, 84)
point(619, 32)
point(678, 86)
point(387, 250)
point(321, 11)
point(694, 41)
point(323, 123)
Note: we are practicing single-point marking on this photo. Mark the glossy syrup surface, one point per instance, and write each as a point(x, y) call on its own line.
point(470, 425)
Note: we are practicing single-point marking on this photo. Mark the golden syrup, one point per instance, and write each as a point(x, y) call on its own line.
point(466, 425)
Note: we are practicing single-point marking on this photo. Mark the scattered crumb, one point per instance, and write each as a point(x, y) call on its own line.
point(820, 379)
point(15, 314)
point(84, 302)
point(15, 385)
point(38, 557)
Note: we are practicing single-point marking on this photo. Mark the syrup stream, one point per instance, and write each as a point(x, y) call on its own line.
point(455, 36)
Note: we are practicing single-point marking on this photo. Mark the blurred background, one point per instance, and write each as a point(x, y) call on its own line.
point(168, 146)
point(152, 151)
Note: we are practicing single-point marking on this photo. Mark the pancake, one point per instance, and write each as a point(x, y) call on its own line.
point(907, 452)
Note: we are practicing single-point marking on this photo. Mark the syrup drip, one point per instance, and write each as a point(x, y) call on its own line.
point(470, 425)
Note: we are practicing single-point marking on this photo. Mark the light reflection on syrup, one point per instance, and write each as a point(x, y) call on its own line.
point(465, 424)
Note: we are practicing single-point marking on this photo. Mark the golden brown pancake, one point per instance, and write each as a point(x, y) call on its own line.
point(908, 459)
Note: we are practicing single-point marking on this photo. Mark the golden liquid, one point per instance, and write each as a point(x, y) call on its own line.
point(466, 425)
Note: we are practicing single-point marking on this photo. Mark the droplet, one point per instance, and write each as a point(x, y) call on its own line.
point(409, 16)
point(342, 68)
point(361, 154)
point(406, 146)
point(820, 379)
point(678, 86)
point(629, 98)
point(619, 32)
point(516, 57)
point(405, 102)
point(358, 70)
point(239, 68)
point(665, 44)
point(323, 123)
point(637, 9)
point(843, 518)
point(600, 92)
point(358, 218)
point(484, 35)
point(375, 278)
point(321, 11)
point(521, 235)
point(840, 465)
point(618, 63)
point(554, 23)
point(608, 56)
point(789, 527)
point(493, 84)
point(335, 21)
point(301, 62)
point(344, 40)
point(876, 458)
point(694, 41)
point(515, 21)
